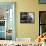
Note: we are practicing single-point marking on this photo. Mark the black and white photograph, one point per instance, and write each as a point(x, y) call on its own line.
point(27, 17)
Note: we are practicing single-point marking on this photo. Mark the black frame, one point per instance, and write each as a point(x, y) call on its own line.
point(27, 15)
point(39, 22)
point(39, 25)
point(41, 2)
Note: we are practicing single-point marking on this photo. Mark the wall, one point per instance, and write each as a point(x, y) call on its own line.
point(27, 30)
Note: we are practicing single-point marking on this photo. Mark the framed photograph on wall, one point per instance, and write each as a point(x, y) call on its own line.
point(27, 17)
point(42, 1)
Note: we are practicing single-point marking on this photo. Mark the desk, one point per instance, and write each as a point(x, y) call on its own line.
point(14, 43)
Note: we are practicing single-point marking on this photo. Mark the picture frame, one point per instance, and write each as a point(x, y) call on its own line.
point(27, 17)
point(42, 1)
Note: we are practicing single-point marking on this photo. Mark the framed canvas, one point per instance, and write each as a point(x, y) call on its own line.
point(42, 1)
point(7, 20)
point(27, 17)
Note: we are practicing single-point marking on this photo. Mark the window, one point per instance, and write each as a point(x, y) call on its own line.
point(42, 22)
point(7, 21)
